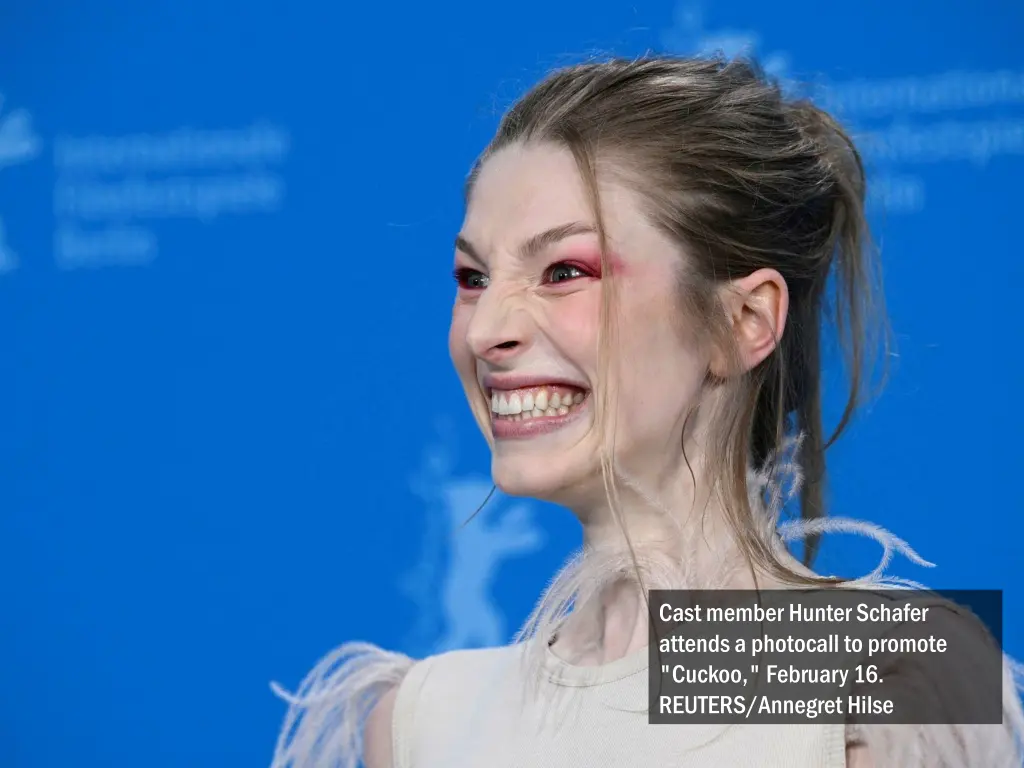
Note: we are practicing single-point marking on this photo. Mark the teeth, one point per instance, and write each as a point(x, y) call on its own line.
point(520, 406)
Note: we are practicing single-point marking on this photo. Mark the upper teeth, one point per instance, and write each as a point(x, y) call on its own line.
point(535, 401)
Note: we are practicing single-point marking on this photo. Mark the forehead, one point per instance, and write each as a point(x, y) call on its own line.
point(525, 189)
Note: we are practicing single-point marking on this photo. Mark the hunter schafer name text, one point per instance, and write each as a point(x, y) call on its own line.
point(795, 612)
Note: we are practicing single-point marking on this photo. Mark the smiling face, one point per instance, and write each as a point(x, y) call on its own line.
point(527, 319)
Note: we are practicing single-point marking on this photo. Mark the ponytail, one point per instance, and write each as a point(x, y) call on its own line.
point(843, 290)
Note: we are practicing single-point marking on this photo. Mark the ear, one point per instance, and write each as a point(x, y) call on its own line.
point(756, 307)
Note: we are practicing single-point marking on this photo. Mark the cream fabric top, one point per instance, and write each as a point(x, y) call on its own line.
point(472, 709)
point(465, 709)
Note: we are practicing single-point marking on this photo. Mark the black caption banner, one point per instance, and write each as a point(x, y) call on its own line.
point(826, 655)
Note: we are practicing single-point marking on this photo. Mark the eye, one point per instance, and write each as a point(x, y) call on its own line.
point(562, 272)
point(470, 279)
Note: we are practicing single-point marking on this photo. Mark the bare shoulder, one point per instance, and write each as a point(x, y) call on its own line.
point(377, 736)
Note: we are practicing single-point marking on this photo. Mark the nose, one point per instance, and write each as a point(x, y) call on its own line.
point(500, 327)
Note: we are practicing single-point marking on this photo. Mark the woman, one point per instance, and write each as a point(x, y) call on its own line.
point(648, 253)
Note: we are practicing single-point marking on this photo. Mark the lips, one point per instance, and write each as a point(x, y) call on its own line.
point(528, 411)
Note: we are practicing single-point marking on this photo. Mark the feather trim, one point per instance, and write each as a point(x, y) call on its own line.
point(326, 716)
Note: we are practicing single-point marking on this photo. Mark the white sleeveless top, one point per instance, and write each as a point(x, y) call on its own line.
point(465, 709)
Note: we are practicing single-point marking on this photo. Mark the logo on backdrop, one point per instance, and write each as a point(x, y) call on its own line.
point(902, 124)
point(19, 143)
point(113, 193)
point(452, 584)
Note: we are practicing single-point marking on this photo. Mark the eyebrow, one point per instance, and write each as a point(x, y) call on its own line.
point(535, 244)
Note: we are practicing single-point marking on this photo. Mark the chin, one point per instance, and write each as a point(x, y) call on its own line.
point(554, 458)
point(538, 475)
point(522, 477)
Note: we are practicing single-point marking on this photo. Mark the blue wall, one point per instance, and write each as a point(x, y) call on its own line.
point(230, 436)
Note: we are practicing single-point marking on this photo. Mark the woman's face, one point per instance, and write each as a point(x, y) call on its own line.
point(525, 325)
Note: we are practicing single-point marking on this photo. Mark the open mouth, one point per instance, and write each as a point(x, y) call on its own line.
point(527, 403)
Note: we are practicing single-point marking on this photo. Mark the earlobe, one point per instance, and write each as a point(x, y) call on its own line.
point(756, 306)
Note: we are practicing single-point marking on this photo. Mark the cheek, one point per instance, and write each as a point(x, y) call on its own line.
point(661, 372)
point(574, 324)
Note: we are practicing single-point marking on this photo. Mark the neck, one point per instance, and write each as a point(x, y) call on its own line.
point(679, 538)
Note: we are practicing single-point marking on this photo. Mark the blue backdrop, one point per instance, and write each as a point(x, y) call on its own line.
point(230, 436)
